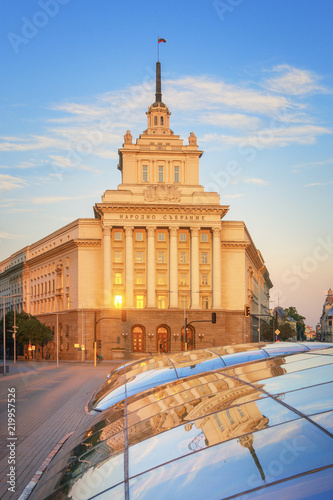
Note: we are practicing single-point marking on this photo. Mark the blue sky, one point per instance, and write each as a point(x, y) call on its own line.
point(252, 79)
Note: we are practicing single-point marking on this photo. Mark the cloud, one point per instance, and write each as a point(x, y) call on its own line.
point(312, 184)
point(8, 236)
point(293, 81)
point(43, 200)
point(232, 196)
point(235, 120)
point(258, 182)
point(8, 182)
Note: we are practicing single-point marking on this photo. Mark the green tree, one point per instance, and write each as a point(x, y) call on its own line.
point(300, 325)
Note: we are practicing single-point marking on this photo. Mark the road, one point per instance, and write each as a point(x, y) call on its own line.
point(49, 403)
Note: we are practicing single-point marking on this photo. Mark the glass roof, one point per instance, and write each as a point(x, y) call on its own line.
point(235, 431)
point(141, 375)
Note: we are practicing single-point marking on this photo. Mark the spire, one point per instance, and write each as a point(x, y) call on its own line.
point(158, 95)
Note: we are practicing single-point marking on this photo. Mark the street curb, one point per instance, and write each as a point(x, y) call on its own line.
point(30, 486)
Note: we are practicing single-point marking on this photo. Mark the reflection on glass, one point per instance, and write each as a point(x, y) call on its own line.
point(244, 357)
point(325, 420)
point(311, 400)
point(281, 452)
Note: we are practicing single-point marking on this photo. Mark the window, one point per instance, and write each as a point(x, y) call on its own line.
point(67, 280)
point(204, 258)
point(160, 174)
point(145, 173)
point(67, 302)
point(183, 258)
point(155, 120)
point(139, 257)
point(182, 236)
point(204, 237)
point(117, 235)
point(176, 174)
point(161, 257)
point(117, 257)
point(204, 302)
point(139, 236)
point(139, 301)
point(183, 279)
point(139, 280)
point(161, 236)
point(183, 301)
point(204, 279)
point(162, 121)
point(161, 301)
point(117, 278)
point(67, 262)
point(161, 279)
point(137, 339)
point(118, 301)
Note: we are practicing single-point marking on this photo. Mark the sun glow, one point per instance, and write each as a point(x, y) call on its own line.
point(118, 301)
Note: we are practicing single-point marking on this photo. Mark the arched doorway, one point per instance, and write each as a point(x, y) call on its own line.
point(162, 339)
point(138, 339)
point(190, 338)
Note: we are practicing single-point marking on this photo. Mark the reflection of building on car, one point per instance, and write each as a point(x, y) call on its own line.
point(260, 428)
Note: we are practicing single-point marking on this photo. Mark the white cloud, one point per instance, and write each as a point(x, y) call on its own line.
point(235, 120)
point(293, 81)
point(8, 236)
point(258, 182)
point(8, 182)
point(312, 184)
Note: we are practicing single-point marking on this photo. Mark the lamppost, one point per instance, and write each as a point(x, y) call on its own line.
point(4, 297)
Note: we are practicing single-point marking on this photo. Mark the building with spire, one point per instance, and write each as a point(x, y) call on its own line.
point(158, 253)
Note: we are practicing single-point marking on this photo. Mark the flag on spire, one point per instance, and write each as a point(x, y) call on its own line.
point(161, 40)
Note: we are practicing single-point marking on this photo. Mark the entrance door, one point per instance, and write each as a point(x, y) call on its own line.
point(162, 339)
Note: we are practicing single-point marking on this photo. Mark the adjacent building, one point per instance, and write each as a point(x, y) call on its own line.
point(325, 329)
point(158, 248)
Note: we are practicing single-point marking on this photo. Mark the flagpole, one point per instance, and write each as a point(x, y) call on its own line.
point(158, 50)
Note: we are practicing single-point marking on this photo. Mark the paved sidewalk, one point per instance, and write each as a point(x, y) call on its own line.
point(50, 403)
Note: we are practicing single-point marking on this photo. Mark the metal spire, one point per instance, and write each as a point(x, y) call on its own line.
point(158, 95)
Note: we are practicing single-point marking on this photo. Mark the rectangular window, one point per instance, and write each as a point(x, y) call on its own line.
point(183, 279)
point(204, 302)
point(139, 236)
point(161, 279)
point(139, 280)
point(204, 279)
point(183, 301)
point(176, 174)
point(160, 174)
point(145, 173)
point(139, 301)
point(161, 236)
point(183, 258)
point(161, 257)
point(139, 257)
point(118, 257)
point(117, 278)
point(161, 302)
point(67, 280)
point(117, 235)
point(67, 261)
point(67, 302)
point(182, 236)
point(204, 258)
point(204, 237)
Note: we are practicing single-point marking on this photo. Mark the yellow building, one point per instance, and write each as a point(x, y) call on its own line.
point(157, 248)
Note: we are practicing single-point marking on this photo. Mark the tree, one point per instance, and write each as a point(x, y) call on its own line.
point(29, 329)
point(300, 325)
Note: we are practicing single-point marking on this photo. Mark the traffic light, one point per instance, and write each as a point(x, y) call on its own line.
point(123, 315)
point(247, 311)
point(213, 317)
point(99, 344)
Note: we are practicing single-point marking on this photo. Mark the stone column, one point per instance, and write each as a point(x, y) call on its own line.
point(195, 298)
point(129, 268)
point(173, 267)
point(216, 268)
point(151, 266)
point(107, 283)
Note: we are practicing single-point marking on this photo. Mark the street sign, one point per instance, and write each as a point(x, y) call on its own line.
point(277, 332)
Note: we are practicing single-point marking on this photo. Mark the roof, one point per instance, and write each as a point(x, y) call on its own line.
point(261, 429)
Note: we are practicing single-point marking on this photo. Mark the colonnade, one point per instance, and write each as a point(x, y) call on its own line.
point(173, 267)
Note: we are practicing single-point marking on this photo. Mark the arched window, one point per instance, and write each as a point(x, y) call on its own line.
point(155, 120)
point(190, 339)
point(162, 121)
point(162, 338)
point(137, 339)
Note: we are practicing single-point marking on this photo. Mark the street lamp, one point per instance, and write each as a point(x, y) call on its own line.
point(4, 297)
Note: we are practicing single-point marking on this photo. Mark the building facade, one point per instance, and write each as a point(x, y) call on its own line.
point(326, 321)
point(158, 248)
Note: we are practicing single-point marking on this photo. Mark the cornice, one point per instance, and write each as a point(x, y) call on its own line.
point(61, 249)
point(159, 208)
point(235, 244)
